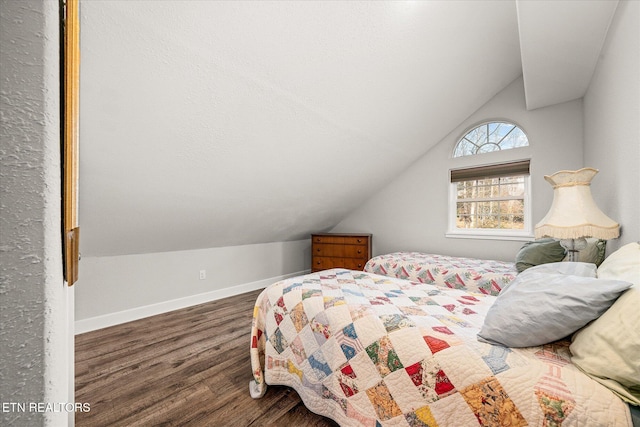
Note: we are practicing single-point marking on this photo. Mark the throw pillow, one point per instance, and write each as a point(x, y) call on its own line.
point(623, 264)
point(539, 252)
point(608, 349)
point(539, 307)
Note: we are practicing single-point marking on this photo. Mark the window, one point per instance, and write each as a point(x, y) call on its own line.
point(488, 137)
point(491, 200)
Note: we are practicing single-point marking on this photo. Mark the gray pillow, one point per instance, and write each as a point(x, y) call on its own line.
point(547, 303)
point(539, 252)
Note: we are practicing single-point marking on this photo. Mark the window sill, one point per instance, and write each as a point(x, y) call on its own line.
point(523, 236)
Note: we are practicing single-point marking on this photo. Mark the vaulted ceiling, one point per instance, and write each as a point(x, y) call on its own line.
point(212, 123)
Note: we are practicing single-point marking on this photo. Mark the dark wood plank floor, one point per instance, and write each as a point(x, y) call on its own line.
point(186, 367)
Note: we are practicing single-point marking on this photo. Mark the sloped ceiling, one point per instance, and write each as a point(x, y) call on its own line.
point(560, 41)
point(213, 123)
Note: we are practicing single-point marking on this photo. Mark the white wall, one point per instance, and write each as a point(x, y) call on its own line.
point(411, 212)
point(36, 360)
point(116, 289)
point(612, 124)
point(220, 123)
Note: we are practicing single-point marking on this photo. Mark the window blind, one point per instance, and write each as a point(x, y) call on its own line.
point(491, 171)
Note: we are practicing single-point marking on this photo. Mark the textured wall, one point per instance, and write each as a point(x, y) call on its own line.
point(34, 361)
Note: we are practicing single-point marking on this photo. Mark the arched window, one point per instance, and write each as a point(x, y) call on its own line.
point(490, 200)
point(491, 136)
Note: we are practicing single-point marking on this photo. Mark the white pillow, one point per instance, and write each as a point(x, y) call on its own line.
point(548, 302)
point(623, 264)
point(608, 349)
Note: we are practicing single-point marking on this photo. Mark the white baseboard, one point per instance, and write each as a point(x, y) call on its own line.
point(112, 319)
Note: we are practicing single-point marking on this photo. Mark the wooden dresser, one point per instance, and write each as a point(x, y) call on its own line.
point(332, 250)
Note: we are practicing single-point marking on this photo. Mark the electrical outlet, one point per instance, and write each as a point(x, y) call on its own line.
point(203, 274)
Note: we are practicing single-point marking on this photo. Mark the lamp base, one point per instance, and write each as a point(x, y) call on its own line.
point(573, 246)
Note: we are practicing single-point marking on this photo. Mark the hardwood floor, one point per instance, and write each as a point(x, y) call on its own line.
point(186, 367)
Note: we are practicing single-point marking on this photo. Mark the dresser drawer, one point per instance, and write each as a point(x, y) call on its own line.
point(341, 251)
point(340, 239)
point(324, 263)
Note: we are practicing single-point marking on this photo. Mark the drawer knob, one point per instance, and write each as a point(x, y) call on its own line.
point(359, 251)
point(318, 250)
point(359, 240)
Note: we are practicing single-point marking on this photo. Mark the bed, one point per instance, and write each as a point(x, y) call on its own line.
point(371, 350)
point(476, 275)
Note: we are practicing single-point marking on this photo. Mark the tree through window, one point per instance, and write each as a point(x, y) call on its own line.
point(488, 137)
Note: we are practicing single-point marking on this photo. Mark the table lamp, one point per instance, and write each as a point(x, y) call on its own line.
point(574, 215)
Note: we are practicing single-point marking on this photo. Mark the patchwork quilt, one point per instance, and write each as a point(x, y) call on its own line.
point(475, 275)
point(370, 350)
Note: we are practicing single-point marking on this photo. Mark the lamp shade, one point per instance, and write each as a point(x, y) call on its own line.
point(573, 213)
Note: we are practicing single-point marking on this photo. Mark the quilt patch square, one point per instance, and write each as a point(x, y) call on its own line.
point(422, 300)
point(310, 293)
point(352, 291)
point(430, 379)
point(421, 417)
point(393, 293)
point(297, 348)
point(347, 381)
point(299, 317)
point(453, 321)
point(332, 301)
point(278, 341)
point(435, 344)
point(279, 310)
point(319, 365)
point(412, 310)
point(379, 300)
point(348, 341)
point(291, 287)
point(393, 322)
point(384, 356)
point(382, 401)
point(320, 328)
point(496, 359)
point(442, 330)
point(491, 404)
